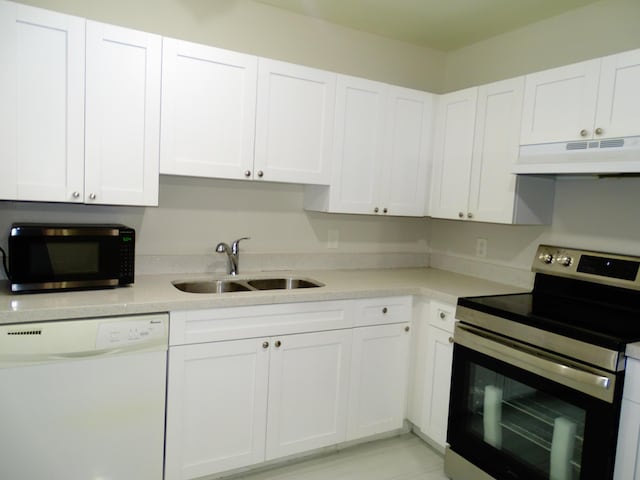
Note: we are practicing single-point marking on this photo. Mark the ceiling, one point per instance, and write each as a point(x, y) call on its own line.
point(440, 24)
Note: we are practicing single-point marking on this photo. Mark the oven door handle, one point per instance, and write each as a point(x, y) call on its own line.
point(591, 381)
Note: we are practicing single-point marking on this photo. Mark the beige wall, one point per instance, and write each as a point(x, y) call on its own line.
point(599, 29)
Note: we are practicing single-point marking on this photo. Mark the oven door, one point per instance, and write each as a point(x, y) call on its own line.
point(517, 412)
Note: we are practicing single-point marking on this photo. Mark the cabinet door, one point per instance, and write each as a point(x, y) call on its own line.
point(42, 98)
point(216, 407)
point(496, 146)
point(628, 451)
point(208, 111)
point(453, 147)
point(358, 145)
point(437, 384)
point(378, 385)
point(122, 116)
point(294, 123)
point(560, 104)
point(405, 167)
point(308, 391)
point(619, 98)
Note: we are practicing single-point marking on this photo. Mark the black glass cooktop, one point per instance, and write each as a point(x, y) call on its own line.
point(597, 314)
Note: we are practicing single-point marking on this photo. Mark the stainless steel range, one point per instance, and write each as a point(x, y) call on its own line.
point(537, 377)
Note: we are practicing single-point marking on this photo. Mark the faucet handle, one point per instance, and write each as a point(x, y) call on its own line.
point(236, 243)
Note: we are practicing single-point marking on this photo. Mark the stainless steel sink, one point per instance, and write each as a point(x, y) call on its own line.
point(245, 284)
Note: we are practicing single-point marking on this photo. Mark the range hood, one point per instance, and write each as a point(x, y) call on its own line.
point(607, 156)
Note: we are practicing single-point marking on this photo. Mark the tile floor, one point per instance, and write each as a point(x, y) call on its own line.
point(400, 458)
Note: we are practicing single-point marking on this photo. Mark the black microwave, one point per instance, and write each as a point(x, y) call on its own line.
point(44, 257)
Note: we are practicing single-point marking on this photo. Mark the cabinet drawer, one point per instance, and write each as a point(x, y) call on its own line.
point(380, 311)
point(442, 315)
point(232, 323)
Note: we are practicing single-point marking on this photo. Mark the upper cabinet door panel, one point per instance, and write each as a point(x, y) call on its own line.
point(407, 152)
point(359, 133)
point(294, 123)
point(122, 115)
point(453, 147)
point(560, 104)
point(619, 98)
point(491, 196)
point(208, 110)
point(42, 98)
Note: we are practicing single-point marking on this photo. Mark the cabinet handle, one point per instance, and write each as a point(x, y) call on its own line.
point(278, 343)
point(376, 210)
point(92, 196)
point(265, 344)
point(75, 194)
point(384, 210)
point(260, 173)
point(469, 215)
point(385, 310)
point(460, 214)
point(443, 315)
point(584, 132)
point(247, 173)
point(450, 339)
point(599, 131)
point(406, 329)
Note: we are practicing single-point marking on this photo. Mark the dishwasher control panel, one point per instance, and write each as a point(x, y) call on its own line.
point(129, 332)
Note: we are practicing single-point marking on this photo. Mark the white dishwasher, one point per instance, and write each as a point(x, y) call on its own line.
point(83, 399)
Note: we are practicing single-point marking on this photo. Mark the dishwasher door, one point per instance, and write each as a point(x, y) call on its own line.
point(83, 399)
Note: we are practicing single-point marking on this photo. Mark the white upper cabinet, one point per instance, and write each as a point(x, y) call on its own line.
point(42, 98)
point(122, 115)
point(593, 99)
point(452, 153)
point(381, 151)
point(72, 131)
point(208, 111)
point(476, 146)
point(294, 123)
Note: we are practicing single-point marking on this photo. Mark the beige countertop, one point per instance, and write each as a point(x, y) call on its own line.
point(155, 293)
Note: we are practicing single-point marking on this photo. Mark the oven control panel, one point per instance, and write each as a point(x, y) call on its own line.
point(599, 267)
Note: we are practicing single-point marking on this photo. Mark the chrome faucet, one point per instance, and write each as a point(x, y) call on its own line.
point(233, 254)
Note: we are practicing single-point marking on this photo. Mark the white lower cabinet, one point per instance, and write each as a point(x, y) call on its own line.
point(217, 407)
point(628, 450)
point(308, 391)
point(431, 415)
point(234, 401)
point(378, 388)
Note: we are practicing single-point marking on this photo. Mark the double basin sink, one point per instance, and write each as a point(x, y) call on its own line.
point(246, 284)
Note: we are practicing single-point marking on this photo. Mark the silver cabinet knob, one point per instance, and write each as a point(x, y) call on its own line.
point(406, 329)
point(460, 214)
point(260, 173)
point(278, 343)
point(75, 194)
point(92, 196)
point(599, 131)
point(265, 344)
point(385, 310)
point(584, 132)
point(384, 210)
point(376, 210)
point(469, 215)
point(247, 173)
point(450, 339)
point(443, 315)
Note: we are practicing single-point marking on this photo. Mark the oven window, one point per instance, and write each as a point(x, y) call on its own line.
point(516, 424)
point(542, 431)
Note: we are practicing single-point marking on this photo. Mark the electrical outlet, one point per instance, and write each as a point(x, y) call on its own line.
point(333, 239)
point(481, 247)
